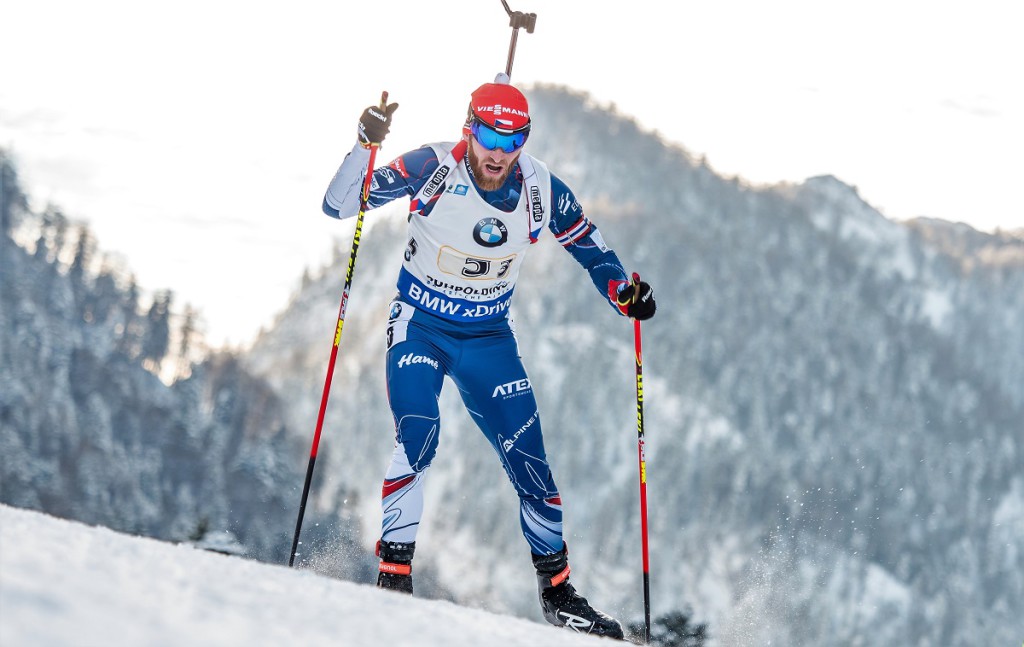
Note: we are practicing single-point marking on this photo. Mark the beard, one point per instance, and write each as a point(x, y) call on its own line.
point(483, 180)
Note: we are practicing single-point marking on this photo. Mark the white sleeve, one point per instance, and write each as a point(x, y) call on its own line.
point(342, 197)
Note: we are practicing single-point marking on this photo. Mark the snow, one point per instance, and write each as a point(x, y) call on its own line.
point(64, 583)
point(936, 306)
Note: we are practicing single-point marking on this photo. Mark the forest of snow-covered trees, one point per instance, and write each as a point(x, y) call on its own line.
point(90, 431)
point(102, 293)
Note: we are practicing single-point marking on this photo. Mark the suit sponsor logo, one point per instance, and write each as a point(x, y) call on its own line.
point(431, 301)
point(508, 443)
point(565, 205)
point(435, 181)
point(467, 291)
point(535, 204)
point(409, 359)
point(490, 232)
point(487, 310)
point(512, 389)
point(434, 302)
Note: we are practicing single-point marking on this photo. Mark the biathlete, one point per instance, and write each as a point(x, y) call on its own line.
point(476, 207)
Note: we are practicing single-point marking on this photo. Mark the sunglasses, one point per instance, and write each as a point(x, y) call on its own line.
point(491, 139)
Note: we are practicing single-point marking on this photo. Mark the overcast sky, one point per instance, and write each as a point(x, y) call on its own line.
point(197, 137)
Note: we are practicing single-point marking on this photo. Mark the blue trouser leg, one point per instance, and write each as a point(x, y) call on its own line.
point(497, 391)
point(415, 375)
point(484, 363)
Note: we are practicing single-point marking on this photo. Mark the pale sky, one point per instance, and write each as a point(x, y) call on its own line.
point(197, 137)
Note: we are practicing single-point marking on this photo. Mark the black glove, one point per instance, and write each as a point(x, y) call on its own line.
point(641, 306)
point(375, 124)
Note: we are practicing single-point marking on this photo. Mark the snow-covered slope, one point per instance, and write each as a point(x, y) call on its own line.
point(64, 583)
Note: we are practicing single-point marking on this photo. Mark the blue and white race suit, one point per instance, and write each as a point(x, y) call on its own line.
point(451, 317)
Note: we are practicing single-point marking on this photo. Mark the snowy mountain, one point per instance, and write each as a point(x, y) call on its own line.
point(65, 583)
point(823, 386)
point(833, 405)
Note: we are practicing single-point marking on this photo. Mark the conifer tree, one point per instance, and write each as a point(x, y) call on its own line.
point(13, 203)
point(156, 341)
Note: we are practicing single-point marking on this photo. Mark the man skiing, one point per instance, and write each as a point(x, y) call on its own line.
point(476, 206)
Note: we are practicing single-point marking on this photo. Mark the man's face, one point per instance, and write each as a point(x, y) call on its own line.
point(490, 168)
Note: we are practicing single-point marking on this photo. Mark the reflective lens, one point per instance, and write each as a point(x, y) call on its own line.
point(493, 140)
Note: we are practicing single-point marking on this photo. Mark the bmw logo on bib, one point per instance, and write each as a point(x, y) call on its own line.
point(490, 232)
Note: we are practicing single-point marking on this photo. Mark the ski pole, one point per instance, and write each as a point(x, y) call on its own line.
point(517, 19)
point(638, 347)
point(364, 197)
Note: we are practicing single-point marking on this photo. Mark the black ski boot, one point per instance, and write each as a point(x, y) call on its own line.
point(395, 566)
point(562, 606)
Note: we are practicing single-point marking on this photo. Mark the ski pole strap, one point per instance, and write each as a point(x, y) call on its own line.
point(397, 569)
